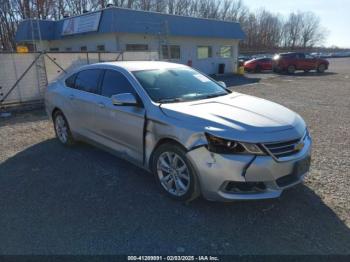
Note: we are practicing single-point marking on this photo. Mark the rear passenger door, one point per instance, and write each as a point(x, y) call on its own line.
point(83, 101)
point(120, 127)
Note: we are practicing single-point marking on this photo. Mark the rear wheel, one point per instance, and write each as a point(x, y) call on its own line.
point(62, 130)
point(174, 173)
point(321, 68)
point(291, 69)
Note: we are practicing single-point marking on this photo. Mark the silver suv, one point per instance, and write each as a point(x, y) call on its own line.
point(193, 134)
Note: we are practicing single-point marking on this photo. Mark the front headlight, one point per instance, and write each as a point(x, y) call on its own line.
point(224, 146)
point(276, 57)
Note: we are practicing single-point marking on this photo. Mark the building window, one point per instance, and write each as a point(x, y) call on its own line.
point(83, 48)
point(68, 49)
point(226, 51)
point(54, 49)
point(204, 52)
point(136, 47)
point(174, 52)
point(100, 48)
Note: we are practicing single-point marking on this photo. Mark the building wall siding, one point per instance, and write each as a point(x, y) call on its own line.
point(114, 42)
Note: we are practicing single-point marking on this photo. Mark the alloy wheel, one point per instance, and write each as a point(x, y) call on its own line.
point(321, 68)
point(291, 69)
point(173, 173)
point(61, 129)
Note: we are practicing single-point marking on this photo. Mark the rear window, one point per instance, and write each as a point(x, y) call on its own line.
point(88, 80)
point(70, 81)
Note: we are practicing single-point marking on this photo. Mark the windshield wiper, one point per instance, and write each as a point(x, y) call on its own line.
point(170, 100)
point(214, 95)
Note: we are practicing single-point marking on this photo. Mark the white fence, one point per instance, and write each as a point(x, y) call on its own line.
point(12, 67)
point(24, 77)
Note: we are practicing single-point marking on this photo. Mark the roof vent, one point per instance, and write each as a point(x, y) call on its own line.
point(85, 11)
point(65, 15)
point(110, 5)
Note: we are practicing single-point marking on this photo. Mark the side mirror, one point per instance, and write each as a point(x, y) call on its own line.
point(124, 99)
point(222, 84)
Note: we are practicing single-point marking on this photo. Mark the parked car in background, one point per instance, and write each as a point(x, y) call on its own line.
point(258, 64)
point(291, 62)
point(196, 136)
point(242, 59)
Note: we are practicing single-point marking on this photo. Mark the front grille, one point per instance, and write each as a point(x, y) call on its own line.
point(284, 149)
point(245, 187)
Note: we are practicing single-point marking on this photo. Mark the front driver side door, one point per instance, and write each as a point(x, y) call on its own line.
point(120, 127)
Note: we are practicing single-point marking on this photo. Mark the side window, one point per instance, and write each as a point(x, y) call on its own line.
point(70, 81)
point(100, 48)
point(204, 52)
point(88, 80)
point(136, 47)
point(300, 56)
point(115, 83)
point(309, 57)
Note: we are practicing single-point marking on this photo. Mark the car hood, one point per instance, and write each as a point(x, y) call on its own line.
point(239, 117)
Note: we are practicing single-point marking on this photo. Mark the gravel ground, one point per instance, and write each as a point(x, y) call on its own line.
point(55, 200)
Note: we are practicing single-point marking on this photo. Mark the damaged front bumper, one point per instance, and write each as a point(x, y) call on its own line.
point(225, 177)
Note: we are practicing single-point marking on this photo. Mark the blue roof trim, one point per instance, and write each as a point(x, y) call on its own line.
point(24, 30)
point(121, 20)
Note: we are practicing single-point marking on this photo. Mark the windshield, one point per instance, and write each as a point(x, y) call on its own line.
point(177, 84)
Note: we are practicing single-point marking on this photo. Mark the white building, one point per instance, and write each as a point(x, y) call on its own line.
point(202, 43)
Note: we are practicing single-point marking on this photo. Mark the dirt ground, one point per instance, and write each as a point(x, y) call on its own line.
point(55, 200)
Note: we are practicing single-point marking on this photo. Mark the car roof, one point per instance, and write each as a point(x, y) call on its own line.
point(135, 65)
point(289, 53)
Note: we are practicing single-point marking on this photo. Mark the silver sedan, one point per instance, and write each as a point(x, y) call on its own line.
point(193, 134)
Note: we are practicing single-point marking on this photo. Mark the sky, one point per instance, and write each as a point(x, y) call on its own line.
point(334, 15)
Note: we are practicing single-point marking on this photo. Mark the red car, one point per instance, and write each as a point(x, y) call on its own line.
point(258, 64)
point(290, 62)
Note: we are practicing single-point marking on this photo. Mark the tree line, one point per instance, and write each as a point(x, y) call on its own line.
point(264, 30)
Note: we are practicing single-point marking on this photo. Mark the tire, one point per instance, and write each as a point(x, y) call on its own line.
point(177, 180)
point(62, 130)
point(291, 69)
point(321, 68)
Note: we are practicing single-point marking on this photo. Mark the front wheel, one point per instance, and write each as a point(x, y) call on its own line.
point(321, 68)
point(174, 173)
point(291, 69)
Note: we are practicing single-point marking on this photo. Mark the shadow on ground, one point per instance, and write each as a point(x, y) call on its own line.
point(81, 200)
point(308, 74)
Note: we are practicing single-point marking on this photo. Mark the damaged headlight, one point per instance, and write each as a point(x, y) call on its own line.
point(224, 146)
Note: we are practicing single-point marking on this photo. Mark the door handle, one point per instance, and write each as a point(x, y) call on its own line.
point(101, 105)
point(71, 97)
